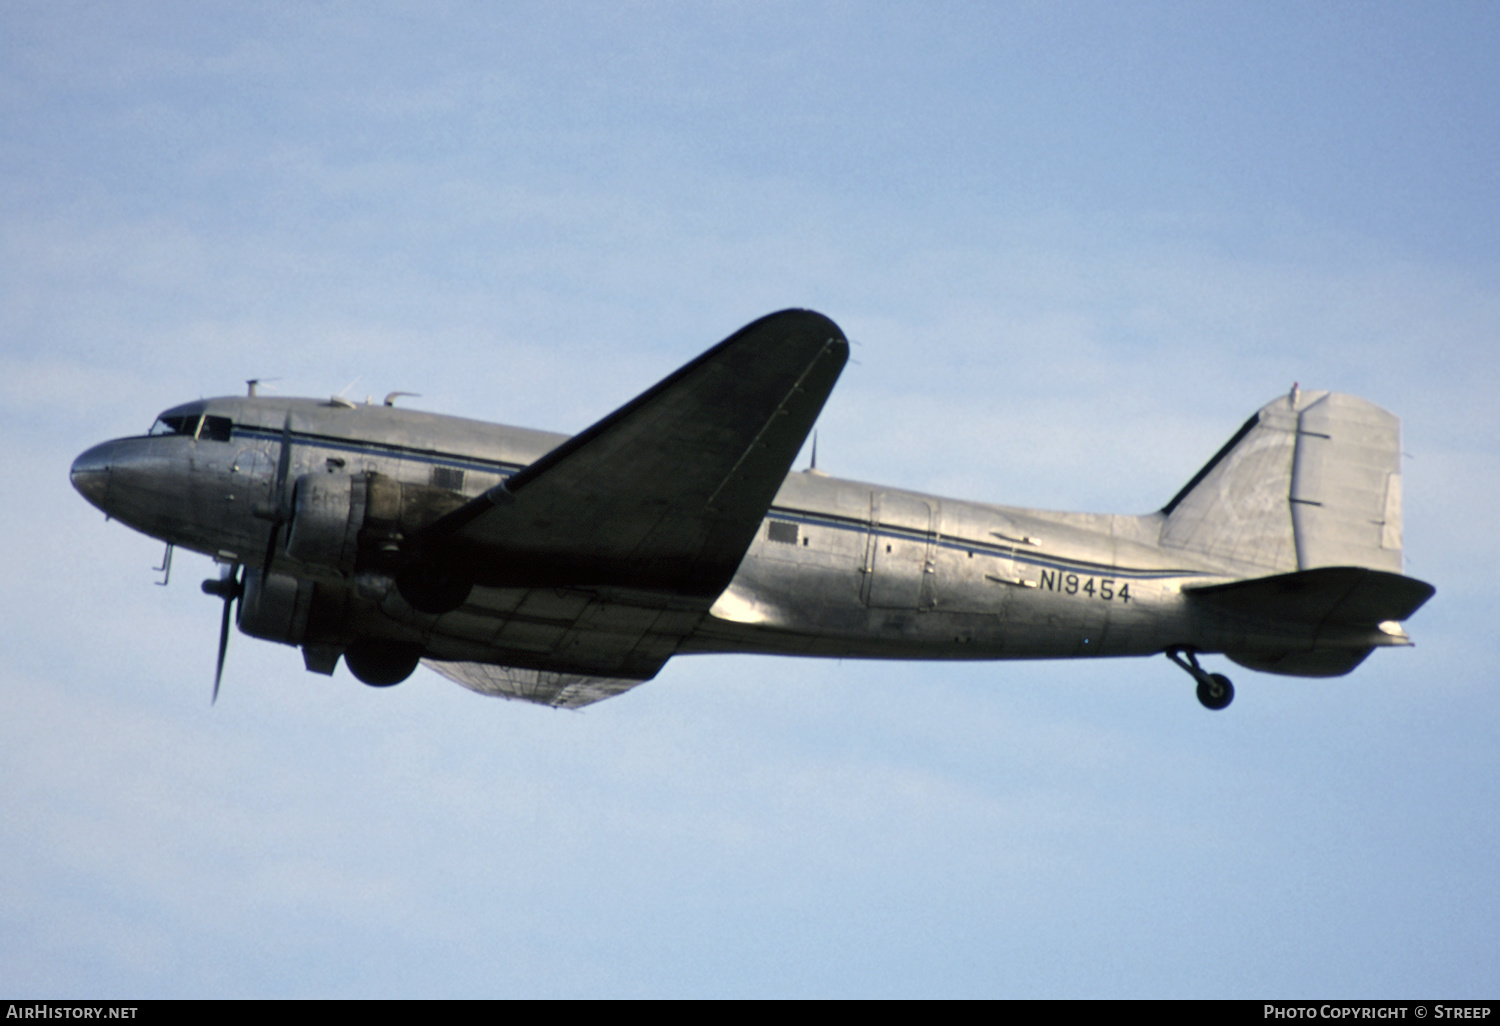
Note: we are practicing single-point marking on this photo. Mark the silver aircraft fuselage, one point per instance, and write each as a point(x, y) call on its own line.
point(840, 568)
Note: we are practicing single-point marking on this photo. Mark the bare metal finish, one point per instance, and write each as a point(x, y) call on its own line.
point(566, 570)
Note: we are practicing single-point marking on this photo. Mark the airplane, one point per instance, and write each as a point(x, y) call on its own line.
point(565, 570)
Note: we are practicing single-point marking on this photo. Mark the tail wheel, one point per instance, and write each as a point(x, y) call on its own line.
point(1215, 691)
point(380, 663)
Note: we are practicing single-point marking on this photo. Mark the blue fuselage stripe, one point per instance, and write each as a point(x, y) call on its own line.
point(1015, 553)
point(389, 450)
point(386, 450)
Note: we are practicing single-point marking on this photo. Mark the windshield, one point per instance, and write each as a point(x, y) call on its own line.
point(176, 425)
point(216, 429)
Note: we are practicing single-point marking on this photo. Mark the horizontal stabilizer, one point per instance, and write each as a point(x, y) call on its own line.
point(1345, 595)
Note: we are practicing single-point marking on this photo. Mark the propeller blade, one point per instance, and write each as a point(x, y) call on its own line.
point(223, 649)
point(284, 464)
point(230, 587)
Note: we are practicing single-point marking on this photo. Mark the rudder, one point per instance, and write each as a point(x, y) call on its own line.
point(1312, 480)
point(1346, 485)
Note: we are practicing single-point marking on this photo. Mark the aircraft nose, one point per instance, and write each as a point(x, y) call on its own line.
point(90, 473)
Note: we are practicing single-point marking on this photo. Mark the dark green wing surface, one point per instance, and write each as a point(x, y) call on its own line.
point(665, 494)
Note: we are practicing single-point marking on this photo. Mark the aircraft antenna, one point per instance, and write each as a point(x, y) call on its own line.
point(813, 467)
point(338, 401)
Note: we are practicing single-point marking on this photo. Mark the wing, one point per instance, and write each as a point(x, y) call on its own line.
point(589, 567)
point(664, 494)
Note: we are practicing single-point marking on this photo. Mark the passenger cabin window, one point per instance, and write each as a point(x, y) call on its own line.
point(448, 477)
point(215, 429)
point(781, 531)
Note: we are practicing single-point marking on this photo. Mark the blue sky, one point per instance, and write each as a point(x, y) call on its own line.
point(1075, 245)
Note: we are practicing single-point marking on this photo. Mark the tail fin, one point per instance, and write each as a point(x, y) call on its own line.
point(1312, 480)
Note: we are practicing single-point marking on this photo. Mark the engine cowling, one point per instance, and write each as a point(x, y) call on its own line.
point(296, 610)
point(349, 522)
point(276, 607)
point(317, 616)
point(327, 514)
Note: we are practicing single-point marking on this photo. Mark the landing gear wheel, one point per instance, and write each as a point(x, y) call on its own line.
point(380, 663)
point(1215, 691)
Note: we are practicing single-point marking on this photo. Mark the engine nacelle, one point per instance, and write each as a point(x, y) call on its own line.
point(320, 616)
point(276, 607)
point(327, 514)
point(296, 610)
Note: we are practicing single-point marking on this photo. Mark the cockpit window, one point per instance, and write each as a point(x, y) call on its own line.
point(176, 425)
point(215, 429)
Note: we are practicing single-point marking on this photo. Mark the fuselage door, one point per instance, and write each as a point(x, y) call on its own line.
point(901, 551)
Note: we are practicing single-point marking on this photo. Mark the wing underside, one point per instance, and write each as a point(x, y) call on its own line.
point(543, 687)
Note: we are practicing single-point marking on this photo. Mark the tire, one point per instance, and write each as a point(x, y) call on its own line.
point(1215, 692)
point(380, 663)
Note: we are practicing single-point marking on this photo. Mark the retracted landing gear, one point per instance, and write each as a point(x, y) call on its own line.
point(1214, 689)
point(381, 663)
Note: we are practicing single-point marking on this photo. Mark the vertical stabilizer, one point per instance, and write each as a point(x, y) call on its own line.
point(1312, 480)
point(1235, 509)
